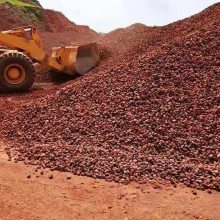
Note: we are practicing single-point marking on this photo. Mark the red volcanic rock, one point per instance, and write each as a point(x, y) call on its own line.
point(149, 111)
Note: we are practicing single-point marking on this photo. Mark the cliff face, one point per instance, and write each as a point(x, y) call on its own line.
point(56, 29)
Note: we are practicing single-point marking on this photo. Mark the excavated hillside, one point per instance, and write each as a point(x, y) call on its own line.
point(149, 111)
point(56, 29)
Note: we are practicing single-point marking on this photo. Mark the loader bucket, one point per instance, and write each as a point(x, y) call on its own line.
point(87, 58)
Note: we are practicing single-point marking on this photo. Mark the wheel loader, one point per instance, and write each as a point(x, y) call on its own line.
point(22, 48)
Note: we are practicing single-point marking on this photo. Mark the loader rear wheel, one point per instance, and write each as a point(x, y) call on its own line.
point(17, 72)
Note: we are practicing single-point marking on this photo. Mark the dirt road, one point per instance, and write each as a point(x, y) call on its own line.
point(84, 198)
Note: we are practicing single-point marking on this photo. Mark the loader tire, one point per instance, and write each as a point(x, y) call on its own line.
point(17, 72)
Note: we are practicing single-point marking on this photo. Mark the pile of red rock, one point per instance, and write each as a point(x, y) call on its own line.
point(150, 113)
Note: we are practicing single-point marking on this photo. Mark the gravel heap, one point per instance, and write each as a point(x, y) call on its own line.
point(152, 115)
point(43, 74)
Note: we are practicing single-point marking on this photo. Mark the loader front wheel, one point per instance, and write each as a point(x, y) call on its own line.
point(17, 72)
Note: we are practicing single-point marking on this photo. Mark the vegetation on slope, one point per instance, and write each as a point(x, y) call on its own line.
point(31, 8)
point(18, 3)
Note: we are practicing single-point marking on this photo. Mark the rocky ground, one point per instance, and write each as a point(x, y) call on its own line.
point(81, 198)
point(148, 114)
point(149, 111)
